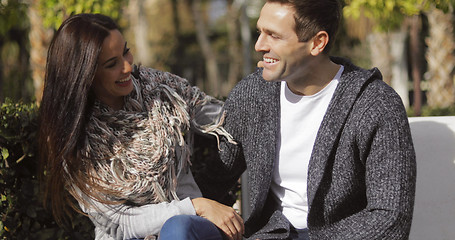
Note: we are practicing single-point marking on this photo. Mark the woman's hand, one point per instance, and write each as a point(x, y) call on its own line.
point(224, 217)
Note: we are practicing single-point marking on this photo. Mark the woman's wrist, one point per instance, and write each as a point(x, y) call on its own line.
point(197, 205)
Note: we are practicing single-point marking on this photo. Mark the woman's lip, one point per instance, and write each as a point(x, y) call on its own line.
point(124, 82)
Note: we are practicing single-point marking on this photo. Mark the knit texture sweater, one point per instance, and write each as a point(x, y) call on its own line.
point(362, 171)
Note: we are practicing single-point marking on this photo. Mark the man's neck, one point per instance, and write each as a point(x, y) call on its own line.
point(315, 79)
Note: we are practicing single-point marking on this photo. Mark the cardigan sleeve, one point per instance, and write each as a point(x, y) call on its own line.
point(390, 171)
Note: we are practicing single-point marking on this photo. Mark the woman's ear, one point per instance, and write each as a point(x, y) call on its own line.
point(320, 40)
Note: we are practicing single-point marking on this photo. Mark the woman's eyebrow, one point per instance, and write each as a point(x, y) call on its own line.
point(113, 58)
point(110, 59)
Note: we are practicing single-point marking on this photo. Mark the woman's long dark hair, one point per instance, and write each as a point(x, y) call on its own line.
point(66, 104)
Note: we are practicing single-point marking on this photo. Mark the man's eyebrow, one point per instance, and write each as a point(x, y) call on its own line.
point(268, 31)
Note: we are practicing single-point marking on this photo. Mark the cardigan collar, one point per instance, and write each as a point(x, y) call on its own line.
point(348, 90)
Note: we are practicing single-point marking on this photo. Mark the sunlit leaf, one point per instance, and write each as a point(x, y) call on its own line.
point(5, 153)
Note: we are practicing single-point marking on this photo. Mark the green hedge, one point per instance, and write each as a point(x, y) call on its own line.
point(22, 215)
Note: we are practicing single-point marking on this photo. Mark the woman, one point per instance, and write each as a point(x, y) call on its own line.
point(114, 136)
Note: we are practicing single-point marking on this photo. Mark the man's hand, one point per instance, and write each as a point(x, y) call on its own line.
point(224, 217)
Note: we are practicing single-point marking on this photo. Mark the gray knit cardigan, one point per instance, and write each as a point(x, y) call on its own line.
point(362, 171)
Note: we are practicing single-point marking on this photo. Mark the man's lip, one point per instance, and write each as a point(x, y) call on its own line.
point(269, 60)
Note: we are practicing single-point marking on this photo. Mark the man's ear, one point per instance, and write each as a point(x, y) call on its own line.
point(320, 40)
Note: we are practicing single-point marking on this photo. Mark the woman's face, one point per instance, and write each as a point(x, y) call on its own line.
point(113, 76)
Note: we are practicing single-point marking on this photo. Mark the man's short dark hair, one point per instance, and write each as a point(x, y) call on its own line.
point(312, 16)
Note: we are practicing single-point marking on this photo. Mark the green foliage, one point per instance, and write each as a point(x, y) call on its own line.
point(17, 132)
point(387, 14)
point(22, 215)
point(427, 111)
point(12, 14)
point(443, 5)
point(55, 11)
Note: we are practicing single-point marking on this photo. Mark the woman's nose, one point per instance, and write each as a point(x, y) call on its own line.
point(127, 66)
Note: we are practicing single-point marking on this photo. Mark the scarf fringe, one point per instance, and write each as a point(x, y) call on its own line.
point(217, 130)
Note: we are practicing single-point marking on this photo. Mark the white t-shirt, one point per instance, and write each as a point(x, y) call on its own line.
point(301, 117)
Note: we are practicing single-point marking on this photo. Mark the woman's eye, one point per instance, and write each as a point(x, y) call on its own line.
point(127, 50)
point(112, 64)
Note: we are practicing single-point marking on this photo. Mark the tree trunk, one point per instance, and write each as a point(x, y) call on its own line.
point(138, 22)
point(212, 84)
point(24, 91)
point(39, 42)
point(415, 58)
point(380, 54)
point(440, 58)
point(245, 33)
point(399, 66)
point(178, 51)
point(234, 54)
point(388, 53)
point(2, 88)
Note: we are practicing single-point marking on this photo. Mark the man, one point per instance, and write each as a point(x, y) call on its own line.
point(327, 145)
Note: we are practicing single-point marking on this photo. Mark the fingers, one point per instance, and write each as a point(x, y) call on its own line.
point(237, 222)
point(224, 217)
point(232, 226)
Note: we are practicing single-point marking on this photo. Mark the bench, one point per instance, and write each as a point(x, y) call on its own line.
point(434, 210)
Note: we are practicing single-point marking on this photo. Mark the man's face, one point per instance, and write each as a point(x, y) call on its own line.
point(278, 41)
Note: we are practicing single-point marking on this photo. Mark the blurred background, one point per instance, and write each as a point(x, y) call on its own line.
point(211, 42)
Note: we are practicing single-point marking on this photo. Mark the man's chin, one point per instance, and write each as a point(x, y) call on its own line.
point(271, 75)
point(270, 78)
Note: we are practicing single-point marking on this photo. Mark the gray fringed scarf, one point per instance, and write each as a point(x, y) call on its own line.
point(136, 153)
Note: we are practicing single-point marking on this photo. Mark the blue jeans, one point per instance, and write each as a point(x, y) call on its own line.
point(189, 227)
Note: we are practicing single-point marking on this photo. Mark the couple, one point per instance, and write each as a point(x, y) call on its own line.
point(327, 145)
